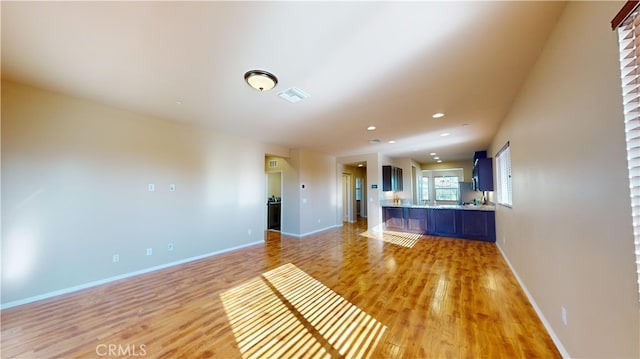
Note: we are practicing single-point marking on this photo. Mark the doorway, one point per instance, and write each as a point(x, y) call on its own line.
point(274, 200)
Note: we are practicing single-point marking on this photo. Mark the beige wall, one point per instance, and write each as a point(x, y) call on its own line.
point(569, 235)
point(74, 185)
point(467, 167)
point(318, 199)
point(274, 187)
point(314, 207)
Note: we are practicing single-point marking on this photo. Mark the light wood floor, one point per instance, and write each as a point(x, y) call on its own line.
point(331, 294)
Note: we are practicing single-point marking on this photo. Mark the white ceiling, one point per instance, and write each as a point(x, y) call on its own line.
point(388, 64)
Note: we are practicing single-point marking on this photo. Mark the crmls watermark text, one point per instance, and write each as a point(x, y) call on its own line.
point(119, 350)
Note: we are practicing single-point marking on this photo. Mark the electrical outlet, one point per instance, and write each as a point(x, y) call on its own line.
point(151, 187)
point(170, 247)
point(563, 314)
point(172, 187)
point(116, 258)
point(149, 251)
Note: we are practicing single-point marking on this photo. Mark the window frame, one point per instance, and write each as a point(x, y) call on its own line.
point(425, 195)
point(454, 186)
point(504, 179)
point(627, 25)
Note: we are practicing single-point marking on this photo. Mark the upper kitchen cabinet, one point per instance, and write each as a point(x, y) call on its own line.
point(391, 178)
point(482, 172)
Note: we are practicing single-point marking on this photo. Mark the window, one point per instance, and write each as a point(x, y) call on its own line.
point(627, 23)
point(503, 176)
point(446, 188)
point(358, 189)
point(425, 189)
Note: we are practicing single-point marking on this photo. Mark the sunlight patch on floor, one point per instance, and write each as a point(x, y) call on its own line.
point(285, 313)
point(398, 238)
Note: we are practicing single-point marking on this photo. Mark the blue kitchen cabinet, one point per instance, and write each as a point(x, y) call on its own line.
point(392, 179)
point(479, 225)
point(482, 174)
point(394, 218)
point(417, 220)
point(444, 222)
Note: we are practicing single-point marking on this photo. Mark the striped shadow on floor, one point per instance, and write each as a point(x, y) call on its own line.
point(285, 313)
point(398, 238)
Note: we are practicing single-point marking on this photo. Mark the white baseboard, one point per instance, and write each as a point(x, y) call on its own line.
point(118, 277)
point(546, 324)
point(312, 232)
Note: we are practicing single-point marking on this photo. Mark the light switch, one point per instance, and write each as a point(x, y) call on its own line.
point(152, 187)
point(172, 187)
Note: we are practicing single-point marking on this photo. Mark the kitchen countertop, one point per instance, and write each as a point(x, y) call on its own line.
point(470, 207)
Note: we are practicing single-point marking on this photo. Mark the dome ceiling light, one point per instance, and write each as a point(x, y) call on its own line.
point(261, 80)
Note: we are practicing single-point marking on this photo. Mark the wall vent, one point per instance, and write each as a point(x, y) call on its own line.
point(273, 163)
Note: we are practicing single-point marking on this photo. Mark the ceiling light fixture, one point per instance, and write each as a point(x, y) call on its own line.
point(438, 115)
point(392, 142)
point(439, 161)
point(371, 128)
point(432, 154)
point(261, 80)
point(444, 134)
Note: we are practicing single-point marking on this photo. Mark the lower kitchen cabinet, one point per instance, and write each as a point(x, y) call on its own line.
point(417, 219)
point(273, 215)
point(445, 222)
point(393, 218)
point(480, 225)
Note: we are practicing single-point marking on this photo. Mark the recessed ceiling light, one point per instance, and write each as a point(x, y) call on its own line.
point(392, 141)
point(374, 141)
point(444, 134)
point(439, 161)
point(432, 154)
point(361, 165)
point(436, 158)
point(178, 102)
point(438, 115)
point(371, 128)
point(465, 124)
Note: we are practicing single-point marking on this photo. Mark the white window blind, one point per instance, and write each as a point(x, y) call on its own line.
point(503, 176)
point(628, 37)
point(446, 188)
point(425, 189)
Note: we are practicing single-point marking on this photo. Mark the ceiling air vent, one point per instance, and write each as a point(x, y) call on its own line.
point(293, 94)
point(273, 163)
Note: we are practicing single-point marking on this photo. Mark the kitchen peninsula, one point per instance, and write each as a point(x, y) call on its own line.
point(467, 222)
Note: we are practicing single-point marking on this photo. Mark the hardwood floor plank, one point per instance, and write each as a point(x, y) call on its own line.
point(361, 295)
